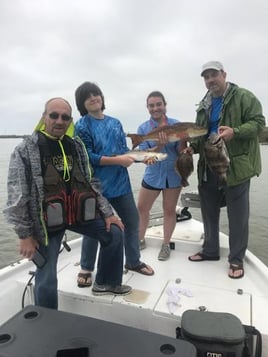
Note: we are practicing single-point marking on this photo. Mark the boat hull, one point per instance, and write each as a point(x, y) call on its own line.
point(196, 285)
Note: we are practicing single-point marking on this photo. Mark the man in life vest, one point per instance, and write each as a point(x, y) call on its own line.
point(51, 189)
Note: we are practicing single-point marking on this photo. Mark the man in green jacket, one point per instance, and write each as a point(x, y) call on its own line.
point(235, 114)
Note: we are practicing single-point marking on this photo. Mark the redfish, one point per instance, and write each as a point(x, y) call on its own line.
point(176, 132)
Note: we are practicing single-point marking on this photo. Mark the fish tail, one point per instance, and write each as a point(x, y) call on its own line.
point(223, 178)
point(184, 182)
point(136, 140)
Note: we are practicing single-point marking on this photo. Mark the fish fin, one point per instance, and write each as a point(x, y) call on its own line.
point(184, 183)
point(223, 179)
point(136, 140)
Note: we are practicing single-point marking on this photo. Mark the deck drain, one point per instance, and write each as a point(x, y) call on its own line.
point(167, 349)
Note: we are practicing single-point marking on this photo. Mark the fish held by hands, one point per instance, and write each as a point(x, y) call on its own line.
point(148, 157)
point(217, 156)
point(184, 166)
point(179, 131)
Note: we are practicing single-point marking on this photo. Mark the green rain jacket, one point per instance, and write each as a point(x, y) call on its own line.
point(241, 111)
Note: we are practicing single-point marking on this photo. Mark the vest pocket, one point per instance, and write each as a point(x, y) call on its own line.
point(55, 213)
point(84, 207)
point(89, 209)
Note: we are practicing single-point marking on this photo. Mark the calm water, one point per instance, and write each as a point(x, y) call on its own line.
point(258, 242)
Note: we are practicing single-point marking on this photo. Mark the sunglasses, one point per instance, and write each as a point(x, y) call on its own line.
point(55, 116)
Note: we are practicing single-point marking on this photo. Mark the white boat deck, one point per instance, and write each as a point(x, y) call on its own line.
point(148, 307)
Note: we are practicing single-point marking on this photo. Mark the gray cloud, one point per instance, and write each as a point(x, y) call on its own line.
point(129, 48)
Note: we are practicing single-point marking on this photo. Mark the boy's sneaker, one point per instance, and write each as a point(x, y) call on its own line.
point(111, 290)
point(164, 252)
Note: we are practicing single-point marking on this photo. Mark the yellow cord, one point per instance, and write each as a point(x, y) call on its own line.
point(66, 171)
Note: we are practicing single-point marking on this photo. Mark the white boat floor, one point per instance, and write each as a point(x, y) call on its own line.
point(176, 286)
point(157, 302)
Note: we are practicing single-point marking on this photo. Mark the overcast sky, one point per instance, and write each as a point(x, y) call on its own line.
point(129, 48)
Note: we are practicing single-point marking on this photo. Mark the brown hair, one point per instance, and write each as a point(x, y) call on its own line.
point(156, 94)
point(83, 92)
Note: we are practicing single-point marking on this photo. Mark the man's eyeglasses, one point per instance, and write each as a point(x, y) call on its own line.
point(55, 116)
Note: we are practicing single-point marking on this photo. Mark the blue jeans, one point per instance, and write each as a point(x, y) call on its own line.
point(126, 209)
point(110, 264)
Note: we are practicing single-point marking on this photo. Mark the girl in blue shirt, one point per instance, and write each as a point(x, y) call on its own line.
point(161, 176)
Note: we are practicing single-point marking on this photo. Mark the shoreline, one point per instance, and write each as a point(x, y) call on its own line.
point(13, 136)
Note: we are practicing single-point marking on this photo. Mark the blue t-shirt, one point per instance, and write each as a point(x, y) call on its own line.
point(105, 137)
point(216, 107)
point(161, 174)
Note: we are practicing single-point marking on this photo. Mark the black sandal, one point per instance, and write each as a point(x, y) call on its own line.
point(139, 269)
point(84, 280)
point(202, 257)
point(234, 268)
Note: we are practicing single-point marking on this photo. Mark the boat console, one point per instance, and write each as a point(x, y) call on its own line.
point(37, 331)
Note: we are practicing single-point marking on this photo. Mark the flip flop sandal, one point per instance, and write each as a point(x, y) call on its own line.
point(139, 269)
point(84, 280)
point(202, 257)
point(234, 268)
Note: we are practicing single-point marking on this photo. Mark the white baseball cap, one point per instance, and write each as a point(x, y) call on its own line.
point(212, 65)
